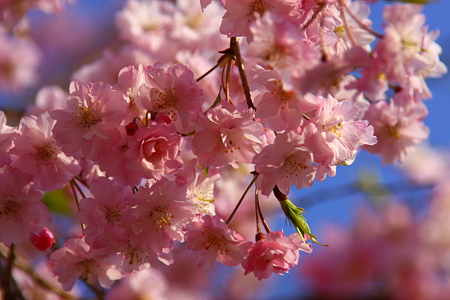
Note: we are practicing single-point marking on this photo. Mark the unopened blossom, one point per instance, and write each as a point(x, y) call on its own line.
point(88, 128)
point(173, 91)
point(43, 240)
point(285, 162)
point(21, 209)
point(276, 253)
point(35, 152)
point(225, 135)
point(7, 134)
point(158, 215)
point(77, 259)
point(211, 236)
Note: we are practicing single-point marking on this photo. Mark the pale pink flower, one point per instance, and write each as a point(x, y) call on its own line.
point(337, 123)
point(21, 210)
point(211, 236)
point(43, 240)
point(174, 92)
point(103, 212)
point(35, 152)
point(158, 215)
point(19, 59)
point(225, 135)
point(76, 259)
point(278, 107)
point(88, 128)
point(285, 162)
point(7, 135)
point(48, 97)
point(240, 14)
point(277, 42)
point(276, 253)
point(398, 128)
point(199, 185)
point(136, 286)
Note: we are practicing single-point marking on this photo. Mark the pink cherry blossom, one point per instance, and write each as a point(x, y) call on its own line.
point(240, 14)
point(88, 128)
point(337, 123)
point(398, 128)
point(7, 134)
point(150, 152)
point(76, 259)
point(103, 212)
point(174, 92)
point(35, 152)
point(158, 215)
point(211, 236)
point(19, 59)
point(276, 253)
point(277, 42)
point(21, 210)
point(225, 135)
point(285, 162)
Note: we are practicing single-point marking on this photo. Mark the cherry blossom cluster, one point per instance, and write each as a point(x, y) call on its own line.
point(152, 138)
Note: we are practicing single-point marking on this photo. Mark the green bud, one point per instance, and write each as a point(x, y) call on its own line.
point(295, 216)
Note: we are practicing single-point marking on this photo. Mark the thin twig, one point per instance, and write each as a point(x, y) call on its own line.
point(234, 45)
point(207, 72)
point(242, 198)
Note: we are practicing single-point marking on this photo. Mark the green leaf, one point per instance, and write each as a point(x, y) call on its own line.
point(295, 215)
point(57, 201)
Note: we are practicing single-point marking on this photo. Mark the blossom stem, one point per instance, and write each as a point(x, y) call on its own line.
point(39, 280)
point(6, 281)
point(255, 176)
point(227, 81)
point(207, 72)
point(321, 5)
point(347, 28)
point(263, 220)
point(73, 184)
point(357, 20)
point(234, 45)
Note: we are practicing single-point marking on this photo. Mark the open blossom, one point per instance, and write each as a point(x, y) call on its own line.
point(225, 135)
point(21, 209)
point(35, 152)
point(103, 212)
point(240, 14)
point(278, 108)
point(278, 42)
point(276, 253)
point(398, 128)
point(19, 59)
point(173, 91)
point(77, 259)
point(158, 215)
point(7, 134)
point(285, 162)
point(340, 128)
point(211, 236)
point(88, 128)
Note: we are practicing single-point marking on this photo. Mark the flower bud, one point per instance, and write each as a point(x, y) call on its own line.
point(43, 240)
